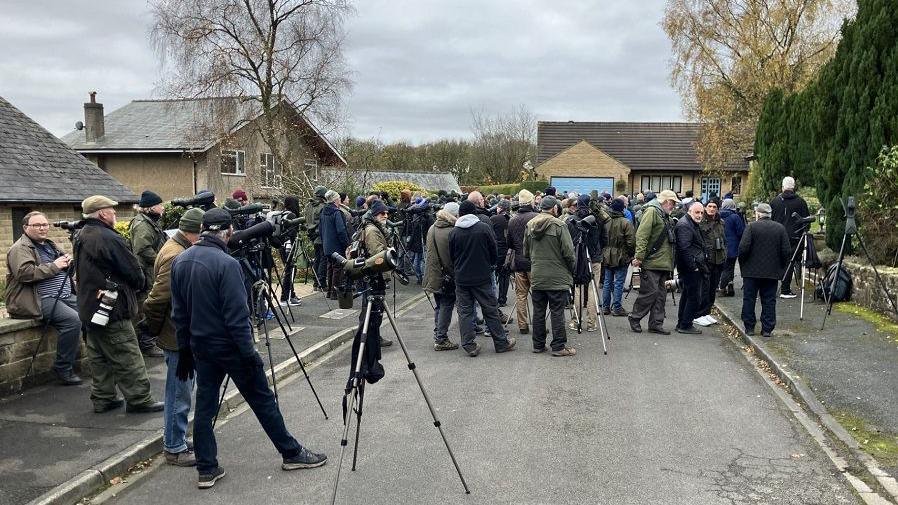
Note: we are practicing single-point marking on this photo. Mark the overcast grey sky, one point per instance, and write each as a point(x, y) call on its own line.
point(419, 67)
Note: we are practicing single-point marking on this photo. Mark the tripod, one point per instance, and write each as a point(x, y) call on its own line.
point(851, 230)
point(356, 391)
point(803, 248)
point(603, 327)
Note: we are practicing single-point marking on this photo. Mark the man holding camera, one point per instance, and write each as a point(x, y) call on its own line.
point(214, 336)
point(655, 256)
point(764, 252)
point(110, 274)
point(782, 207)
point(146, 240)
point(590, 232)
point(312, 213)
point(439, 275)
point(158, 312)
point(692, 266)
point(38, 286)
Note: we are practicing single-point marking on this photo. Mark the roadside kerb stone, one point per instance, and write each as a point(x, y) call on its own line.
point(810, 401)
point(92, 480)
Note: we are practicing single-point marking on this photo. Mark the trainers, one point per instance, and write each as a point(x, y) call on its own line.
point(68, 378)
point(510, 347)
point(786, 295)
point(538, 350)
point(592, 327)
point(564, 352)
point(750, 332)
point(444, 345)
point(711, 319)
point(506, 319)
point(619, 312)
point(572, 325)
point(766, 334)
point(659, 331)
point(292, 302)
point(606, 311)
point(207, 480)
point(475, 351)
point(305, 459)
point(183, 458)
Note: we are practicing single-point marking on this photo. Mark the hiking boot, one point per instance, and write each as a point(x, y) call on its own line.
point(538, 350)
point(207, 480)
point(525, 330)
point(767, 334)
point(606, 311)
point(444, 345)
point(659, 331)
point(510, 347)
point(564, 352)
point(385, 342)
point(634, 325)
point(183, 458)
point(750, 332)
point(621, 312)
point(68, 378)
point(106, 407)
point(692, 330)
point(305, 459)
point(475, 351)
point(146, 408)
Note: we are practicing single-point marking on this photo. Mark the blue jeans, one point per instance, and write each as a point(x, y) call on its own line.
point(417, 260)
point(177, 406)
point(249, 377)
point(616, 275)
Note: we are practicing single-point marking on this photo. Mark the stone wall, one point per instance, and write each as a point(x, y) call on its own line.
point(18, 340)
point(866, 289)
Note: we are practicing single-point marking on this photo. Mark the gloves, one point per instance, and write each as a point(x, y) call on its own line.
point(185, 368)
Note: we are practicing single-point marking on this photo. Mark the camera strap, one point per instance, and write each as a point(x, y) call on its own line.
point(436, 249)
point(656, 246)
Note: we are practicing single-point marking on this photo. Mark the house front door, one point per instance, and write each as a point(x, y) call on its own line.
point(710, 185)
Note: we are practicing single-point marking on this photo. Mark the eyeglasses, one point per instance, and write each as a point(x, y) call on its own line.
point(39, 226)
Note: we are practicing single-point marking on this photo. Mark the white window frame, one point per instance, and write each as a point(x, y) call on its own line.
point(733, 182)
point(270, 175)
point(311, 164)
point(659, 182)
point(705, 186)
point(239, 157)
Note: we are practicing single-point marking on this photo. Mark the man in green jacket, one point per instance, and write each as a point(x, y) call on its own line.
point(146, 240)
point(655, 256)
point(548, 246)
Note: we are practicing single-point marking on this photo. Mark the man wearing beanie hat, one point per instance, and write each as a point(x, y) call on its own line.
point(548, 246)
point(592, 240)
point(499, 222)
point(764, 254)
point(616, 257)
point(519, 264)
point(439, 275)
point(105, 263)
point(472, 250)
point(158, 316)
point(146, 239)
point(374, 241)
point(215, 338)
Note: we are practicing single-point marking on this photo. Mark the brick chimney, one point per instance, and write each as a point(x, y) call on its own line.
point(94, 127)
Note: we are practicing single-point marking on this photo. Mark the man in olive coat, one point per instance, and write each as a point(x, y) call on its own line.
point(655, 256)
point(548, 246)
point(146, 239)
point(764, 253)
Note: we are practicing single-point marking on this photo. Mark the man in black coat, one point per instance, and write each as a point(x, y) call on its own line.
point(691, 266)
point(500, 227)
point(782, 207)
point(764, 253)
point(472, 250)
point(520, 266)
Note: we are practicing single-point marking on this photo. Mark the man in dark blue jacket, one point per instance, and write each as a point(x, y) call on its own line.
point(733, 227)
point(334, 238)
point(212, 325)
point(691, 266)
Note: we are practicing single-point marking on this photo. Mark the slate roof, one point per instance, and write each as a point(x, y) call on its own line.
point(35, 166)
point(175, 126)
point(428, 180)
point(640, 146)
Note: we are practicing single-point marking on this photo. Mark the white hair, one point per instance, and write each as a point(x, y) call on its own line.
point(95, 214)
point(220, 234)
point(788, 183)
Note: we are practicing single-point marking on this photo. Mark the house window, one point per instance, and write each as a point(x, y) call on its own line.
point(233, 162)
point(270, 171)
point(710, 186)
point(658, 183)
point(311, 167)
point(736, 185)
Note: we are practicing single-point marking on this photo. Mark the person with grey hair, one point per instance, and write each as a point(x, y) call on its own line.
point(783, 207)
point(733, 227)
point(764, 252)
point(334, 231)
point(439, 275)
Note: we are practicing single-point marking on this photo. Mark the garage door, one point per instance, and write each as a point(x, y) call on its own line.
point(583, 185)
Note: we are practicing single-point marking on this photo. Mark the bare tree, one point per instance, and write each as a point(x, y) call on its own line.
point(503, 144)
point(728, 54)
point(284, 57)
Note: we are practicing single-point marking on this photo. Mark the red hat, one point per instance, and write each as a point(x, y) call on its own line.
point(239, 194)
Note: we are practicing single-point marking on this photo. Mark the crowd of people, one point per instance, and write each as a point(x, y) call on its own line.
point(183, 298)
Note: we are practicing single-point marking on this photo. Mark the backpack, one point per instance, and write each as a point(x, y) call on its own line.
point(836, 289)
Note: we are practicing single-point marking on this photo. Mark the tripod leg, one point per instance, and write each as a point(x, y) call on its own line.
point(352, 392)
point(436, 421)
point(828, 296)
point(603, 326)
point(358, 423)
point(221, 400)
point(882, 285)
point(804, 273)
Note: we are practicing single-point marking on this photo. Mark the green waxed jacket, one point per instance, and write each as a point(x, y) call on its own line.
point(146, 241)
point(620, 241)
point(654, 222)
point(548, 245)
point(713, 231)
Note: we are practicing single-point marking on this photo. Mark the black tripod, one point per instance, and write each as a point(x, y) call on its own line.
point(851, 230)
point(377, 304)
point(584, 295)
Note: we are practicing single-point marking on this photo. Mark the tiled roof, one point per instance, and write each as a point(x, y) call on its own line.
point(640, 146)
point(35, 166)
point(427, 180)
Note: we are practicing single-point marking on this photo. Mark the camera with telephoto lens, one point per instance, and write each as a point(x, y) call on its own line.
point(586, 223)
point(204, 200)
point(70, 225)
point(108, 298)
point(358, 268)
point(673, 284)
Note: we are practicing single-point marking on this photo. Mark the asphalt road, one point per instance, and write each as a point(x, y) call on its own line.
point(661, 419)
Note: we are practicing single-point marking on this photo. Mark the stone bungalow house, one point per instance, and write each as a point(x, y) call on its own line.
point(582, 156)
point(179, 147)
point(40, 172)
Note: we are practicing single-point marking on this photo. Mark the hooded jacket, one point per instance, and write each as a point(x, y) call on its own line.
point(783, 206)
point(733, 227)
point(620, 241)
point(515, 237)
point(472, 249)
point(332, 227)
point(548, 246)
point(594, 237)
point(146, 240)
point(713, 231)
point(438, 258)
point(653, 223)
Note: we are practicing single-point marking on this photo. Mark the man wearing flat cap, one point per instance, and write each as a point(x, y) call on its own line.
point(146, 240)
point(214, 336)
point(105, 267)
point(764, 254)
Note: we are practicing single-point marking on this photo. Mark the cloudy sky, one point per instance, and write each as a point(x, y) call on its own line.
point(419, 67)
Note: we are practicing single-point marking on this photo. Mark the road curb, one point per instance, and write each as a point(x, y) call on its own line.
point(810, 401)
point(92, 480)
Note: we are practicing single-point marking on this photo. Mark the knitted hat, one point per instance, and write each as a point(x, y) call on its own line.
point(548, 202)
point(466, 207)
point(239, 194)
point(728, 203)
point(550, 191)
point(504, 204)
point(617, 205)
point(377, 207)
point(451, 208)
point(191, 221)
point(149, 199)
point(331, 195)
point(359, 201)
point(583, 201)
point(715, 201)
point(525, 197)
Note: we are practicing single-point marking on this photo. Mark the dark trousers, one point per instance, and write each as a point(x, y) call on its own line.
point(751, 288)
point(289, 275)
point(320, 267)
point(557, 302)
point(690, 299)
point(485, 296)
point(728, 273)
point(709, 289)
point(442, 315)
point(249, 377)
point(334, 278)
point(502, 275)
point(63, 316)
point(651, 297)
point(790, 270)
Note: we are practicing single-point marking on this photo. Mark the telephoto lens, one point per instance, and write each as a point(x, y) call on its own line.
point(107, 302)
point(674, 283)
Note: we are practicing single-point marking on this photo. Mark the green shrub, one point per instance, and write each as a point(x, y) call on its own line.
point(124, 228)
point(170, 216)
point(394, 187)
point(877, 209)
